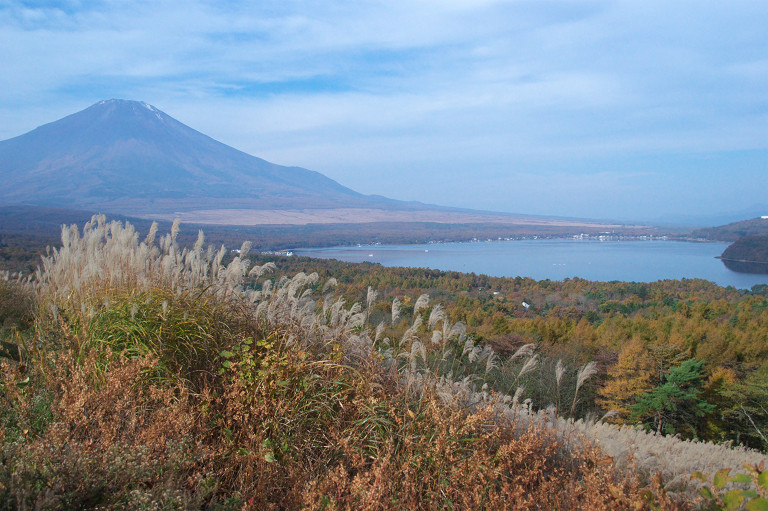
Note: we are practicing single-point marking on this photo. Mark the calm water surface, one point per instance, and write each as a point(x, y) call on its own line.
point(639, 261)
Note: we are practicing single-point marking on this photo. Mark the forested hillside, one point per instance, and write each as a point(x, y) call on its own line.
point(753, 249)
point(734, 231)
point(636, 332)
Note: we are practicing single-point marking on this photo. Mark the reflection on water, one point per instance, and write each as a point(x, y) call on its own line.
point(746, 267)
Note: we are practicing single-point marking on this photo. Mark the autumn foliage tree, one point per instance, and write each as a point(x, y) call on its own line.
point(630, 378)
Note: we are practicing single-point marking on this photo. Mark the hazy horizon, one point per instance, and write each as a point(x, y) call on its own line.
point(614, 110)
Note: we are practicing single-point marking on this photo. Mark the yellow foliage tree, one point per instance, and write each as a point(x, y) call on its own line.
point(632, 376)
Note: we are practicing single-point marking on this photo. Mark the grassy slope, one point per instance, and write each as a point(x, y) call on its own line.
point(155, 382)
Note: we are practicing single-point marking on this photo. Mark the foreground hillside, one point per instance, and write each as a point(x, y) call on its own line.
point(138, 374)
point(635, 332)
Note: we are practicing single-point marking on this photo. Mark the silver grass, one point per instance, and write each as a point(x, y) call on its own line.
point(529, 365)
point(371, 298)
point(469, 345)
point(417, 349)
point(175, 229)
point(490, 363)
point(421, 303)
point(437, 315)
point(410, 334)
point(379, 331)
point(258, 271)
point(217, 262)
point(336, 311)
point(525, 350)
point(262, 310)
point(559, 372)
point(457, 330)
point(266, 288)
point(395, 311)
point(486, 352)
point(326, 305)
point(474, 354)
point(109, 254)
point(585, 373)
point(356, 321)
point(518, 393)
point(417, 322)
point(200, 241)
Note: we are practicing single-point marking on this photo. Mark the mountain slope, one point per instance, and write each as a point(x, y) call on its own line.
point(734, 231)
point(128, 155)
point(129, 158)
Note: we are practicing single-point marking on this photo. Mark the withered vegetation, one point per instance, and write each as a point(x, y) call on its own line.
point(139, 375)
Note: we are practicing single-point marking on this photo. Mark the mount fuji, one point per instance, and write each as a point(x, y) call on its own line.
point(130, 158)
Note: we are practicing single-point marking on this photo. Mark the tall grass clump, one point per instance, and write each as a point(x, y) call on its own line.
point(16, 302)
point(106, 293)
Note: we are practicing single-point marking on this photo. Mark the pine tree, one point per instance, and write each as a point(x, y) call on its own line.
point(676, 404)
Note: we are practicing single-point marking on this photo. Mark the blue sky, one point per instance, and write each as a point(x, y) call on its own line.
point(634, 110)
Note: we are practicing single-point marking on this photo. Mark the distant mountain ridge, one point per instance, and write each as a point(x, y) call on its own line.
point(733, 231)
point(126, 156)
point(129, 158)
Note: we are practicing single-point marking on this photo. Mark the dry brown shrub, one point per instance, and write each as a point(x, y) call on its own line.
point(449, 460)
point(113, 442)
point(314, 434)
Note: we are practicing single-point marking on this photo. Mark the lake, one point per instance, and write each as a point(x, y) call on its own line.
point(557, 259)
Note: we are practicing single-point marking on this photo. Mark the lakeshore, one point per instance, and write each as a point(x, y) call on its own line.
point(639, 259)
